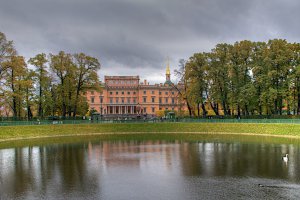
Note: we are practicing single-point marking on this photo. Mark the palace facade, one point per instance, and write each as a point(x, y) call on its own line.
point(127, 97)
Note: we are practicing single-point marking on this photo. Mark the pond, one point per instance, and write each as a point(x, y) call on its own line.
point(151, 169)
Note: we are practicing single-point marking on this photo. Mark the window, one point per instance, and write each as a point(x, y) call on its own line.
point(122, 99)
point(153, 99)
point(160, 100)
point(92, 92)
point(172, 108)
point(134, 100)
point(144, 91)
point(166, 108)
point(153, 109)
point(166, 93)
point(110, 100)
point(160, 108)
point(172, 92)
point(92, 99)
point(159, 93)
point(173, 100)
point(152, 92)
point(128, 92)
point(144, 99)
point(122, 92)
point(117, 100)
point(128, 100)
point(145, 110)
point(117, 93)
point(166, 100)
point(110, 93)
point(101, 99)
point(134, 93)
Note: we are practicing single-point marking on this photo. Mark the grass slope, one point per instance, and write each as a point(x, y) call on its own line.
point(55, 130)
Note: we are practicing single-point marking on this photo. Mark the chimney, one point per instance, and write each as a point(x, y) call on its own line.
point(145, 82)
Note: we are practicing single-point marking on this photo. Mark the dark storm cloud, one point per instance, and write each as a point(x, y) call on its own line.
point(140, 34)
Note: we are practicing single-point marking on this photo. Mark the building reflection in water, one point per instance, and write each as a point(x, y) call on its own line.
point(87, 170)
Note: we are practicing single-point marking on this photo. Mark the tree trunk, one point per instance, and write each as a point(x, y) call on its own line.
point(189, 108)
point(76, 99)
point(239, 111)
point(214, 106)
point(224, 107)
point(280, 105)
point(204, 110)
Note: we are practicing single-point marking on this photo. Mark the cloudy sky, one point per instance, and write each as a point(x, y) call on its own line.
point(135, 37)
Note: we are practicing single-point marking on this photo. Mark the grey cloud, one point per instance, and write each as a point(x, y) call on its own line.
point(135, 34)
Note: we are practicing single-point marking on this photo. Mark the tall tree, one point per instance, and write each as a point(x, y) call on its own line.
point(86, 75)
point(6, 51)
point(16, 68)
point(239, 74)
point(218, 78)
point(278, 60)
point(196, 72)
point(39, 61)
point(62, 65)
point(182, 88)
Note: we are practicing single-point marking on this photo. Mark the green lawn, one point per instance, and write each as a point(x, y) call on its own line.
point(47, 134)
point(54, 130)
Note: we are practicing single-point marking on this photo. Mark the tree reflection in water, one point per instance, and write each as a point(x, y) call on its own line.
point(89, 170)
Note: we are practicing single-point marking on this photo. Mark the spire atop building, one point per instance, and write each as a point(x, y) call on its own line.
point(168, 67)
point(168, 73)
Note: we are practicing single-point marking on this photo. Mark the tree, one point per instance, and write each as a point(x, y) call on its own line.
point(6, 51)
point(39, 61)
point(85, 75)
point(63, 67)
point(239, 75)
point(218, 78)
point(196, 72)
point(278, 61)
point(182, 88)
point(15, 71)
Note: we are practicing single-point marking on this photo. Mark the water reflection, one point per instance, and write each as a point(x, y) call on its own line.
point(134, 169)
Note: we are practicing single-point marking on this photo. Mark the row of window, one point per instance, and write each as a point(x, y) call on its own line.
point(122, 93)
point(103, 110)
point(128, 82)
point(153, 92)
point(144, 92)
point(122, 100)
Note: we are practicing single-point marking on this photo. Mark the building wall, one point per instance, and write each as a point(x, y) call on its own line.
point(126, 95)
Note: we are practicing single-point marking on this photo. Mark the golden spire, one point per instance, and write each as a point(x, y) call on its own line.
point(168, 68)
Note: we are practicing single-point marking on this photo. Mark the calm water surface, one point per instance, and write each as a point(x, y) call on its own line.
point(150, 170)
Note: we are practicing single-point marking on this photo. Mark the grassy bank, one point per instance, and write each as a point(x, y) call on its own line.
point(47, 134)
point(7, 133)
